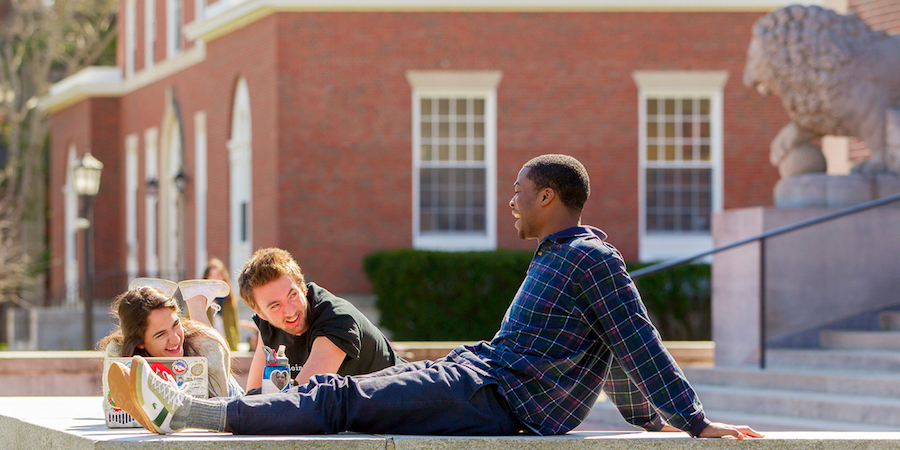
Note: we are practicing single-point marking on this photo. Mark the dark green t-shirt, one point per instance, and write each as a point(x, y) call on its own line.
point(367, 349)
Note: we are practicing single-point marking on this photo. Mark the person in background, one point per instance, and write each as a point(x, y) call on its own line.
point(226, 322)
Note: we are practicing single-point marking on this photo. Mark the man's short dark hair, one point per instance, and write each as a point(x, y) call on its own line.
point(565, 175)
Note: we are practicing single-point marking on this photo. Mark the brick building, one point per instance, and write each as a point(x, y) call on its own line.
point(335, 129)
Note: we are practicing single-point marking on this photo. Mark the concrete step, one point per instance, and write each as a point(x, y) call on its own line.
point(844, 360)
point(824, 381)
point(861, 340)
point(605, 417)
point(808, 405)
point(889, 320)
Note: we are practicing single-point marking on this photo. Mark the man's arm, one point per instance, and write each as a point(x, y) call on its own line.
point(628, 399)
point(624, 326)
point(324, 357)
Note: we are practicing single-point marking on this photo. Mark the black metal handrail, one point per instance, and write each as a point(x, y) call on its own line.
point(762, 266)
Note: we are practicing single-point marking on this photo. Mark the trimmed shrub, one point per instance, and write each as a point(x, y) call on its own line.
point(462, 296)
point(444, 296)
point(678, 300)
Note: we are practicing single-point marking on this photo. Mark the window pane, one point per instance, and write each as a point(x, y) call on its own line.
point(444, 130)
point(704, 129)
point(426, 153)
point(444, 106)
point(425, 223)
point(444, 152)
point(670, 130)
point(687, 129)
point(687, 106)
point(478, 106)
point(478, 131)
point(425, 130)
point(461, 108)
point(462, 129)
point(651, 129)
point(670, 152)
point(479, 153)
point(704, 152)
point(670, 106)
point(651, 153)
point(452, 200)
point(425, 106)
point(704, 106)
point(461, 153)
point(678, 199)
point(651, 107)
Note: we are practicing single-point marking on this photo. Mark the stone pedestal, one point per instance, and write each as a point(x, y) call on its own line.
point(831, 274)
point(819, 190)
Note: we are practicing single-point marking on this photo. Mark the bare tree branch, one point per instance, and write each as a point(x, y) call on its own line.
point(41, 41)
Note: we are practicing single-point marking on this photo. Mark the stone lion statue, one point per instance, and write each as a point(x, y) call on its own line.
point(835, 76)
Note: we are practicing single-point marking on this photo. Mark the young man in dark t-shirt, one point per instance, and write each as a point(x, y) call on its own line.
point(322, 333)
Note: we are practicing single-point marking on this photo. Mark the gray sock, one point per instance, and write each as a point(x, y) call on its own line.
point(200, 413)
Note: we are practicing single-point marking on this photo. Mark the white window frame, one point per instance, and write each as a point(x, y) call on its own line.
point(481, 84)
point(656, 246)
point(199, 14)
point(130, 36)
point(240, 188)
point(71, 231)
point(149, 33)
point(200, 190)
point(174, 22)
point(132, 180)
point(151, 172)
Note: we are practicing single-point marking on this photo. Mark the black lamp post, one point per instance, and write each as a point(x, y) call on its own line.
point(86, 175)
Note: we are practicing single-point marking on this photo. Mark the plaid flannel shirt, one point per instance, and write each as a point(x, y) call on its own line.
point(576, 323)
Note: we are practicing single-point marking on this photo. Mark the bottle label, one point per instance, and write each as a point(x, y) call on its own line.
point(275, 379)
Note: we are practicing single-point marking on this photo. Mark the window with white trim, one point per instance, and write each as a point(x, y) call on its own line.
point(680, 173)
point(132, 180)
point(149, 33)
point(678, 164)
point(174, 22)
point(454, 160)
point(130, 36)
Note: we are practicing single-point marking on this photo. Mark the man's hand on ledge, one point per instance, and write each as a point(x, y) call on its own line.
point(723, 430)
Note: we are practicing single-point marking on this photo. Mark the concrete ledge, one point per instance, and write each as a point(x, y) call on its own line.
point(75, 423)
point(78, 372)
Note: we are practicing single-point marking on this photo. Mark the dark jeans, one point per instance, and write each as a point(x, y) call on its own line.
point(425, 397)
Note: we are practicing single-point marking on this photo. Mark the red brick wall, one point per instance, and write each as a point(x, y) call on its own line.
point(332, 157)
point(566, 87)
point(91, 124)
point(879, 14)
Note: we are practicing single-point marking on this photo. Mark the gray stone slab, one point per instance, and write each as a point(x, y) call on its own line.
point(75, 423)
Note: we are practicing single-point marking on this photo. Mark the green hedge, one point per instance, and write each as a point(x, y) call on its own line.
point(427, 295)
point(678, 300)
point(442, 296)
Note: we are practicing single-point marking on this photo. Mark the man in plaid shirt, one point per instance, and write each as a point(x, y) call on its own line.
point(576, 325)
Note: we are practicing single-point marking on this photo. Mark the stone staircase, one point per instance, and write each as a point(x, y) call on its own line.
point(851, 383)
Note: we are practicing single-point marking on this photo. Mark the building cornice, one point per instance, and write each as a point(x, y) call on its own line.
point(105, 81)
point(225, 16)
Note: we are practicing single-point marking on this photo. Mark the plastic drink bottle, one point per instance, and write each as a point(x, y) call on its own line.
point(277, 373)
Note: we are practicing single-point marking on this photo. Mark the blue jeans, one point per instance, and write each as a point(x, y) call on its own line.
point(425, 397)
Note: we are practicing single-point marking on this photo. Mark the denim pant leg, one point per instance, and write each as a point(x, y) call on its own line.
point(442, 398)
